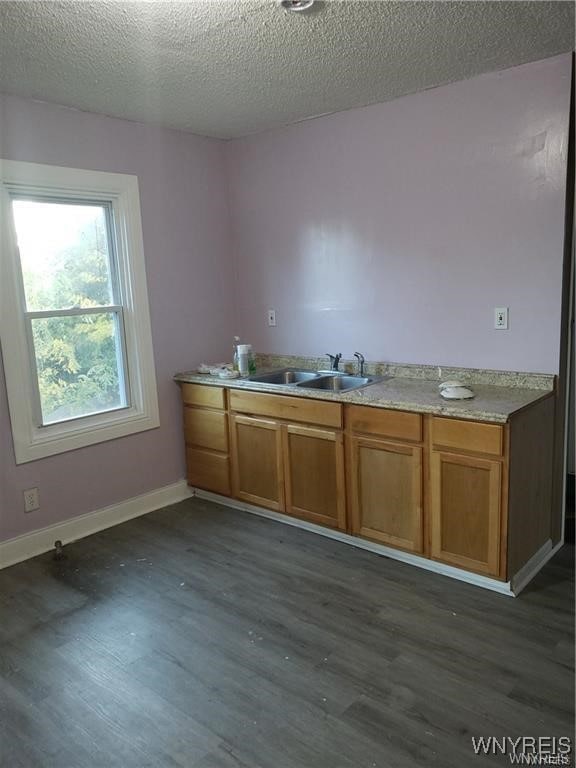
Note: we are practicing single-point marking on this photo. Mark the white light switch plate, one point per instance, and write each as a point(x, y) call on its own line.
point(501, 318)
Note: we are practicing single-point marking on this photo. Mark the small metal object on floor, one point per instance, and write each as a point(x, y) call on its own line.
point(59, 551)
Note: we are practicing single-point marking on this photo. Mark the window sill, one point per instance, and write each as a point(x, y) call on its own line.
point(79, 433)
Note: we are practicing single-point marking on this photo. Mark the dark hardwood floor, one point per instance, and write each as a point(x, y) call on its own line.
point(202, 637)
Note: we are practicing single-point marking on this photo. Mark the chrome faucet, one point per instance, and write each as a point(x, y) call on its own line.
point(360, 358)
point(334, 360)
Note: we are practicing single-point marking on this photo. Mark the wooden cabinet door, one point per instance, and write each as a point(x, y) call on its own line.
point(208, 470)
point(386, 492)
point(257, 472)
point(314, 469)
point(465, 507)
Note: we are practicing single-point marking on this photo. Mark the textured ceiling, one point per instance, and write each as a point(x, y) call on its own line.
point(233, 67)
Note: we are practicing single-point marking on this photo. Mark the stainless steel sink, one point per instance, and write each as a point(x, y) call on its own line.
point(329, 381)
point(337, 383)
point(285, 376)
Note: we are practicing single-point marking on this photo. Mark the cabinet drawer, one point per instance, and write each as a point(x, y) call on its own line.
point(378, 421)
point(289, 408)
point(200, 394)
point(206, 429)
point(467, 435)
point(208, 470)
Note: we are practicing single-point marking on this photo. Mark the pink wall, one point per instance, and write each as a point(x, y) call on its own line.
point(395, 229)
point(187, 248)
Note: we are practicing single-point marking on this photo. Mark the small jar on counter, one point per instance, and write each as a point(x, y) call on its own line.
point(244, 359)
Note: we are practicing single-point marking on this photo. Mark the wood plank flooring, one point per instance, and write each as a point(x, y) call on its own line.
point(202, 637)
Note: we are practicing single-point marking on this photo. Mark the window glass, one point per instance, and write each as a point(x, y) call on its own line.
point(79, 365)
point(64, 253)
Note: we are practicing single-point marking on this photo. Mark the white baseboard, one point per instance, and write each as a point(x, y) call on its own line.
point(35, 543)
point(485, 582)
point(538, 560)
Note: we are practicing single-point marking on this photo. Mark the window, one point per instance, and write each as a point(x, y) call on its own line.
point(75, 327)
point(72, 306)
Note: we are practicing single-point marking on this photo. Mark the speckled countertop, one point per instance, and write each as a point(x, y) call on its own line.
point(492, 403)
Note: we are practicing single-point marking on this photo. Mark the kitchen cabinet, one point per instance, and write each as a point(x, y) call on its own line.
point(385, 475)
point(206, 438)
point(288, 455)
point(466, 491)
point(257, 472)
point(466, 511)
point(473, 495)
point(314, 472)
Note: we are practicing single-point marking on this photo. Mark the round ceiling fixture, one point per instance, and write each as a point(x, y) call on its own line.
point(296, 5)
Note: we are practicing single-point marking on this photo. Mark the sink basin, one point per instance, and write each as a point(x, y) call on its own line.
point(286, 376)
point(331, 382)
point(337, 383)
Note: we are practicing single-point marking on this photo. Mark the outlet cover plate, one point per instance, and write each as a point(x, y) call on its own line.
point(31, 500)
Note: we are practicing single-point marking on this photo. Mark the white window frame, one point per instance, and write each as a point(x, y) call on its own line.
point(32, 440)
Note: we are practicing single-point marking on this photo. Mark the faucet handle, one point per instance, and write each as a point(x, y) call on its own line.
point(334, 360)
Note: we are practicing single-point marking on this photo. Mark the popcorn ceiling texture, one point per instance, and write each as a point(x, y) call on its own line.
point(228, 68)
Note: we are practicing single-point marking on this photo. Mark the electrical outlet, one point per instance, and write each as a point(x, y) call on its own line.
point(271, 317)
point(501, 318)
point(31, 500)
